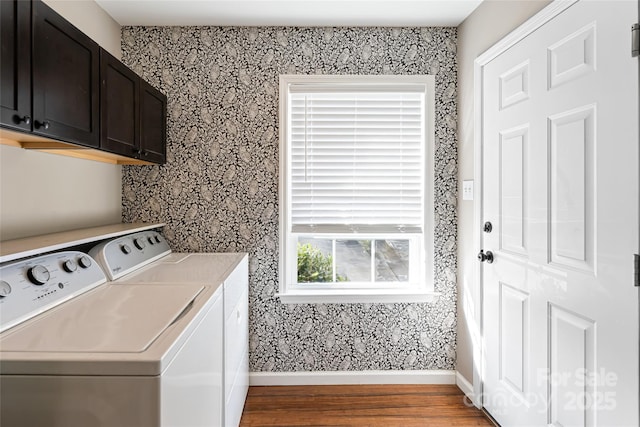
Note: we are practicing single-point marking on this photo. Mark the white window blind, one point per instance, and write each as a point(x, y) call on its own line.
point(356, 158)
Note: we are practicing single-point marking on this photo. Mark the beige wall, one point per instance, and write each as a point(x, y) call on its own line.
point(44, 193)
point(490, 22)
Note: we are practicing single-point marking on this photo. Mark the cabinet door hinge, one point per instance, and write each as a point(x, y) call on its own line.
point(635, 40)
point(636, 270)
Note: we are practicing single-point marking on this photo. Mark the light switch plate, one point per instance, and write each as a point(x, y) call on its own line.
point(467, 190)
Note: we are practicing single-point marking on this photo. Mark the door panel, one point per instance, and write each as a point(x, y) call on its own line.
point(571, 182)
point(560, 160)
point(514, 339)
point(153, 114)
point(514, 85)
point(15, 63)
point(65, 80)
point(513, 187)
point(572, 351)
point(572, 57)
point(119, 109)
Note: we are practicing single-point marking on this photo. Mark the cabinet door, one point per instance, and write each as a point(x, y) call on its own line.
point(153, 116)
point(15, 63)
point(66, 66)
point(119, 107)
point(236, 342)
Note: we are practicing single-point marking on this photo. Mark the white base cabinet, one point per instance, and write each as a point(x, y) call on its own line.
point(236, 342)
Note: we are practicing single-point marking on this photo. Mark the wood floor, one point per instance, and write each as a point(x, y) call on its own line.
point(360, 405)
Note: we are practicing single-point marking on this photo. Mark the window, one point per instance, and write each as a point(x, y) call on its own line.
point(356, 188)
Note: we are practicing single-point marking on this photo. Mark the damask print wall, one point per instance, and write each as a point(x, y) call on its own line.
point(218, 191)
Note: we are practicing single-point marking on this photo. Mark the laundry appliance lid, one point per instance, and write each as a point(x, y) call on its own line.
point(195, 268)
point(110, 319)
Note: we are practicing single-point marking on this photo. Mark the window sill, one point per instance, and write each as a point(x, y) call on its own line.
point(383, 296)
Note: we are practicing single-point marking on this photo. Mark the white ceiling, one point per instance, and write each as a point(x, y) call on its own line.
point(298, 13)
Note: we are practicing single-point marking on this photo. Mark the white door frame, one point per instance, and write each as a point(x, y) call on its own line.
point(528, 27)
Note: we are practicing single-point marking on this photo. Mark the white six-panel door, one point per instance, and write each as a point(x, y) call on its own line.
point(560, 186)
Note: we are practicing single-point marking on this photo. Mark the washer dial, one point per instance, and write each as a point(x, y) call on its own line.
point(38, 274)
point(5, 289)
point(84, 261)
point(139, 243)
point(69, 266)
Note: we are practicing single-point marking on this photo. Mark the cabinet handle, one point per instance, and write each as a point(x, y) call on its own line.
point(45, 125)
point(135, 150)
point(145, 153)
point(24, 119)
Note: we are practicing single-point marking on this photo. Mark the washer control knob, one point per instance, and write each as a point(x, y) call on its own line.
point(38, 275)
point(151, 241)
point(157, 239)
point(139, 243)
point(84, 261)
point(69, 266)
point(126, 249)
point(5, 289)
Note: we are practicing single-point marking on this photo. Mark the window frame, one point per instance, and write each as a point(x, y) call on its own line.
point(421, 290)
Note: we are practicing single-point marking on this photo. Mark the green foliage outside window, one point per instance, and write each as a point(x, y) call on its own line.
point(314, 266)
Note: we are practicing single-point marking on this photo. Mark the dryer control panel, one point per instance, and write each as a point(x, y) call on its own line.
point(125, 254)
point(34, 285)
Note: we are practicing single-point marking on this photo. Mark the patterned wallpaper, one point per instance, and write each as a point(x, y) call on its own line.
point(219, 189)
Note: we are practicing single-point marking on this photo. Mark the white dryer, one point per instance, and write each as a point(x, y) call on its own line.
point(78, 352)
point(121, 259)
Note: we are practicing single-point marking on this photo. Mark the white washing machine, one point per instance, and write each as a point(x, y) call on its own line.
point(121, 259)
point(78, 351)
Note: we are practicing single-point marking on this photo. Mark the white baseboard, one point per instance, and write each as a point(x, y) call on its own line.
point(352, 377)
point(465, 386)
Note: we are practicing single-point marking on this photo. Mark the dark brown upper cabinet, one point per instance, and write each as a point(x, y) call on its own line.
point(66, 80)
point(132, 113)
point(153, 126)
point(119, 107)
point(61, 92)
point(15, 64)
